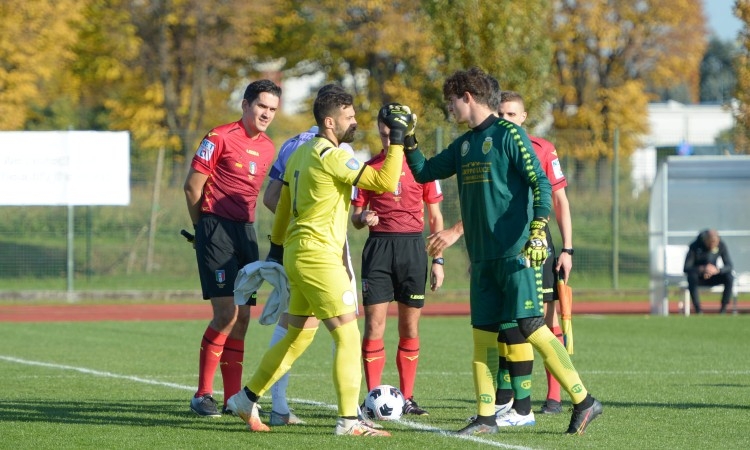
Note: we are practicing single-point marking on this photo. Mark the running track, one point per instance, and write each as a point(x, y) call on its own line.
point(201, 311)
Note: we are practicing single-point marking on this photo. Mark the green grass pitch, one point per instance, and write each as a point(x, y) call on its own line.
point(665, 382)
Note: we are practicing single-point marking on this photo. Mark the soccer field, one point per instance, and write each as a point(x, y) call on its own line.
point(665, 382)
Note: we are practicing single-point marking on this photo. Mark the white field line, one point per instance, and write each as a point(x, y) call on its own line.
point(99, 373)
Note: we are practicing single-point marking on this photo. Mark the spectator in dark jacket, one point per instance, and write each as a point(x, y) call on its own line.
point(702, 267)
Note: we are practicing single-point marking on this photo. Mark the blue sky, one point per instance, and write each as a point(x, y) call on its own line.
point(721, 20)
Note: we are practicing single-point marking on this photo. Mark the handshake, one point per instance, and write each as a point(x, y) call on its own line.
point(402, 123)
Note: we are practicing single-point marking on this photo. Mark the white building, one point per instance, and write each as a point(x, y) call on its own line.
point(684, 127)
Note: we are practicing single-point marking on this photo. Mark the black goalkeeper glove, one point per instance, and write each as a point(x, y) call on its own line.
point(410, 143)
point(400, 120)
point(536, 247)
point(276, 254)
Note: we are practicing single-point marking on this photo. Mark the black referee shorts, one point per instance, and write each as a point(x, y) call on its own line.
point(222, 248)
point(394, 267)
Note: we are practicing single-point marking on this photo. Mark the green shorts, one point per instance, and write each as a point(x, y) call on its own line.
point(503, 290)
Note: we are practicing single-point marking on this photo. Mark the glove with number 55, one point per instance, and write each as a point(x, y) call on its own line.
point(536, 247)
point(400, 120)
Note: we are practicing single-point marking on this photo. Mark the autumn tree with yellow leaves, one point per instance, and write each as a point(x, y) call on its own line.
point(742, 113)
point(35, 48)
point(609, 58)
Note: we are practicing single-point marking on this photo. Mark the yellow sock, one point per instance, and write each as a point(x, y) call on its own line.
point(347, 373)
point(279, 359)
point(484, 368)
point(558, 362)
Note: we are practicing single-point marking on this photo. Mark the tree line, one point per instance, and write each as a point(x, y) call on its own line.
point(166, 70)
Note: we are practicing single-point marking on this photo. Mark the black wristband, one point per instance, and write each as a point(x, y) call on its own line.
point(440, 261)
point(569, 251)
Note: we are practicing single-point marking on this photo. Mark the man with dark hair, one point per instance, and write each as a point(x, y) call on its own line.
point(702, 268)
point(308, 235)
point(221, 190)
point(500, 181)
point(394, 267)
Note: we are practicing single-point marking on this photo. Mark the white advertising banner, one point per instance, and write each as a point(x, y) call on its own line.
point(64, 168)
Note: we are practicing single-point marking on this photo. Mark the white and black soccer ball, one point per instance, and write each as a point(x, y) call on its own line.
point(384, 402)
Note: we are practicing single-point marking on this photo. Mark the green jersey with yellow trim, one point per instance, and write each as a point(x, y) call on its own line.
point(499, 177)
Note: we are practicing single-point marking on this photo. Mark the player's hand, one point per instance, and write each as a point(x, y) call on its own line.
point(400, 120)
point(437, 275)
point(437, 242)
point(536, 247)
point(276, 254)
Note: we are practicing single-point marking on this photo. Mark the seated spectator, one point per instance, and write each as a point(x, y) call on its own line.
point(702, 270)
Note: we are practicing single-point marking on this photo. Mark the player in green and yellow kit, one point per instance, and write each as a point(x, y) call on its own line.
point(505, 200)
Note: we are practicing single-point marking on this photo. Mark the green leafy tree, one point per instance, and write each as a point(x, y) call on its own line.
point(508, 39)
point(377, 49)
point(718, 74)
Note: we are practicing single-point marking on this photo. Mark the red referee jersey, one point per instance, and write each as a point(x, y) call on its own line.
point(547, 155)
point(236, 166)
point(401, 211)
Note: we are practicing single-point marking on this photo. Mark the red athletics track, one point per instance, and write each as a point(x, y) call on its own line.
point(202, 311)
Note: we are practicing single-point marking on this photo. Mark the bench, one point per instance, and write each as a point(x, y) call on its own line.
point(674, 275)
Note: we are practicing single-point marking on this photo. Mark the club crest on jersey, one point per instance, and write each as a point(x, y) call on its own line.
point(352, 164)
point(465, 148)
point(487, 145)
point(221, 276)
point(252, 167)
point(205, 150)
point(398, 189)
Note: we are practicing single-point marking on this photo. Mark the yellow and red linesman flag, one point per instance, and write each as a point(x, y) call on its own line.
point(566, 311)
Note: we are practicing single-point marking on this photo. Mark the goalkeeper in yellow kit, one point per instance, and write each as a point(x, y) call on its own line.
point(311, 222)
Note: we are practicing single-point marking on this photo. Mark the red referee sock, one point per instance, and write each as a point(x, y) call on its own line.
point(212, 347)
point(373, 357)
point(231, 367)
point(407, 359)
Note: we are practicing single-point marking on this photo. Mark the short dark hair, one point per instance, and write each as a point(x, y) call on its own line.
point(511, 96)
point(254, 89)
point(474, 81)
point(328, 101)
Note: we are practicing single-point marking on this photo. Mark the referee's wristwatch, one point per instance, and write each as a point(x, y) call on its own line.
point(440, 261)
point(569, 251)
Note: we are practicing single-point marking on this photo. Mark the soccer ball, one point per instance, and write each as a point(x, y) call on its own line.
point(384, 402)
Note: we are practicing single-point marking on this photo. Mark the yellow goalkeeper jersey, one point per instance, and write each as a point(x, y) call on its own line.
point(315, 200)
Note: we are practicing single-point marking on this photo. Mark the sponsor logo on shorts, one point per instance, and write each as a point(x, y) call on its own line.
point(416, 297)
point(528, 304)
point(221, 276)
